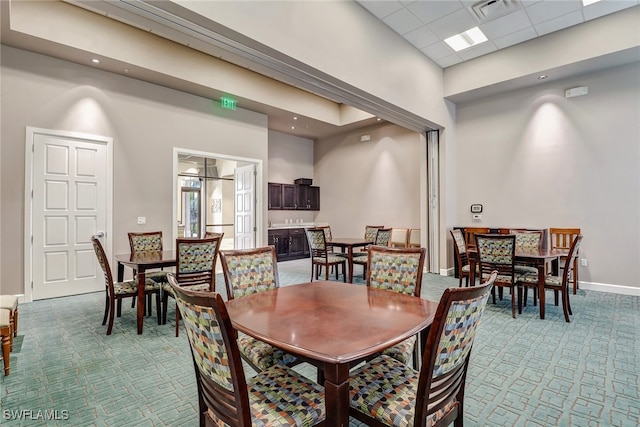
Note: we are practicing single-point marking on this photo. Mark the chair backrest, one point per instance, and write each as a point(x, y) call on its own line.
point(249, 271)
point(210, 234)
point(528, 239)
point(496, 252)
point(196, 260)
point(414, 238)
point(400, 237)
point(470, 235)
point(104, 264)
point(145, 241)
point(383, 237)
point(460, 247)
point(446, 356)
point(216, 359)
point(396, 269)
point(370, 232)
point(561, 238)
point(570, 258)
point(327, 233)
point(317, 242)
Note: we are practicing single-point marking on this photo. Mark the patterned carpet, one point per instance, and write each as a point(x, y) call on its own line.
point(524, 372)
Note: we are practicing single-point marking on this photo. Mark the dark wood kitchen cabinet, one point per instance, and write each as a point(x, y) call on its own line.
point(290, 243)
point(293, 197)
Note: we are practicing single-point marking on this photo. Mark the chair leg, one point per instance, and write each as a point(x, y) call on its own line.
point(6, 350)
point(106, 310)
point(119, 307)
point(565, 304)
point(344, 272)
point(112, 309)
point(133, 301)
point(326, 272)
point(513, 303)
point(158, 308)
point(15, 323)
point(575, 275)
point(177, 321)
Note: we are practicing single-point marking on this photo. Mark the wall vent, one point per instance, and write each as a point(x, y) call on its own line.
point(487, 10)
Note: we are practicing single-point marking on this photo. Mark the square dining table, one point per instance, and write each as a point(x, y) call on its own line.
point(332, 325)
point(349, 244)
point(141, 262)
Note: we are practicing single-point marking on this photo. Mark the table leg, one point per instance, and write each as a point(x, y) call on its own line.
point(350, 262)
point(141, 298)
point(336, 392)
point(541, 287)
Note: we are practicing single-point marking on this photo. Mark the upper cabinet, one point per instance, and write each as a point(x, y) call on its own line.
point(294, 197)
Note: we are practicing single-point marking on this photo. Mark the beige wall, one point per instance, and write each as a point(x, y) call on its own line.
point(376, 182)
point(145, 121)
point(536, 159)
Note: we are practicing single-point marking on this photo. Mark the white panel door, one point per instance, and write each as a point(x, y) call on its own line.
point(68, 207)
point(245, 207)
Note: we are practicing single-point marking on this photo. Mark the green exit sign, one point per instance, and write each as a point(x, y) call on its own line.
point(228, 103)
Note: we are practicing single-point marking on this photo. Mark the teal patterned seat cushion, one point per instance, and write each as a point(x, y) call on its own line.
point(280, 397)
point(131, 287)
point(532, 278)
point(521, 269)
point(385, 389)
point(261, 354)
point(402, 351)
point(156, 276)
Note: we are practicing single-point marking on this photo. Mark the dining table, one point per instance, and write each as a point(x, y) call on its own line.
point(534, 257)
point(333, 326)
point(141, 262)
point(348, 244)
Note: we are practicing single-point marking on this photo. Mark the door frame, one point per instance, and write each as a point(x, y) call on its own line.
point(260, 206)
point(31, 132)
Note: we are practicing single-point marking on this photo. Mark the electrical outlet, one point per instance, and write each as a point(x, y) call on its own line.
point(583, 262)
point(142, 220)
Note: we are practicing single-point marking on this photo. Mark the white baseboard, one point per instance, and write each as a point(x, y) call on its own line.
point(587, 286)
point(609, 288)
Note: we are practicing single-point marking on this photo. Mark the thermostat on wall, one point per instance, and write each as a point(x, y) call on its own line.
point(477, 208)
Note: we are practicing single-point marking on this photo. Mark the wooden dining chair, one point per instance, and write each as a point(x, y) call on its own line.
point(497, 252)
point(117, 291)
point(385, 392)
point(414, 238)
point(383, 238)
point(527, 240)
point(6, 338)
point(462, 257)
point(277, 396)
point(559, 284)
point(398, 270)
point(321, 257)
point(470, 235)
point(561, 238)
point(148, 241)
point(246, 272)
point(195, 269)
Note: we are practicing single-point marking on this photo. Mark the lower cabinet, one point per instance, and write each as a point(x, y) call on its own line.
point(290, 243)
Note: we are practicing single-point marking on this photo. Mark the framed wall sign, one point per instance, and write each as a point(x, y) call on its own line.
point(476, 208)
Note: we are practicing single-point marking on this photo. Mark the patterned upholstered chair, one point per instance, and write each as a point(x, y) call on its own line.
point(195, 269)
point(559, 284)
point(246, 272)
point(497, 252)
point(117, 291)
point(398, 270)
point(383, 238)
point(10, 302)
point(462, 258)
point(370, 232)
point(527, 240)
point(386, 392)
point(6, 336)
point(150, 241)
point(320, 255)
point(414, 238)
point(399, 237)
point(277, 396)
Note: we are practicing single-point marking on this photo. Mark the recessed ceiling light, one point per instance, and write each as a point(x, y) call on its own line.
point(586, 3)
point(542, 77)
point(467, 39)
point(378, 119)
point(295, 118)
point(95, 60)
point(293, 127)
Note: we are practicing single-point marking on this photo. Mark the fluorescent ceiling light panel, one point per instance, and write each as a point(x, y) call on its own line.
point(586, 3)
point(467, 39)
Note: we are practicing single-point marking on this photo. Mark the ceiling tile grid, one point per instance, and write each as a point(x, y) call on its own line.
point(427, 23)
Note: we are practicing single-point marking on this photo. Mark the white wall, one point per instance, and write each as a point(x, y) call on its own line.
point(145, 121)
point(376, 182)
point(536, 159)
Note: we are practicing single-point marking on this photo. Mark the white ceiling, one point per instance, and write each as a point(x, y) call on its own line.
point(427, 23)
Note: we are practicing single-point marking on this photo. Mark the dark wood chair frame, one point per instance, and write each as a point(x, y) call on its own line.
point(440, 389)
point(485, 269)
point(324, 254)
point(131, 235)
point(462, 258)
point(561, 238)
